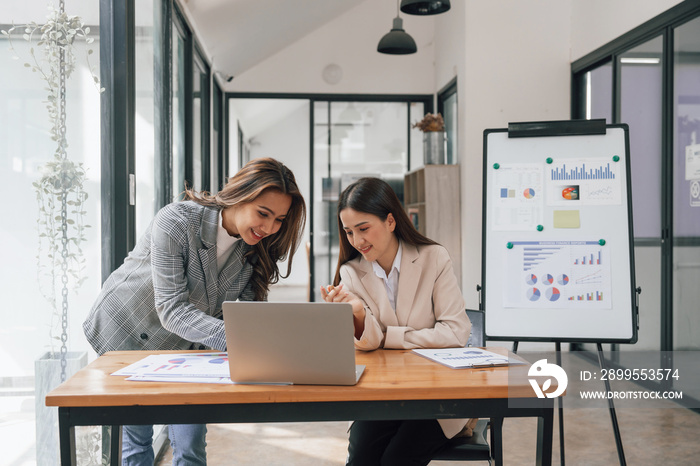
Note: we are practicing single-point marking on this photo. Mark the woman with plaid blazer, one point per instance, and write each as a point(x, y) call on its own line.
point(194, 256)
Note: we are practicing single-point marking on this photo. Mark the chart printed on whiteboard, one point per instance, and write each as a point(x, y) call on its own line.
point(557, 275)
point(582, 182)
point(518, 196)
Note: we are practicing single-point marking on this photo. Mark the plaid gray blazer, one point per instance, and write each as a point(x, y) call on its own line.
point(168, 294)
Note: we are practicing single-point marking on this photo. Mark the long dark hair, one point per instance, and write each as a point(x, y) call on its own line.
point(374, 196)
point(255, 178)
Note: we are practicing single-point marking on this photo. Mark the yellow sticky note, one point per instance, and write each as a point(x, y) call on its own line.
point(567, 219)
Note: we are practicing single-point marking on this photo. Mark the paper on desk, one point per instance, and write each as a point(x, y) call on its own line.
point(161, 378)
point(178, 366)
point(459, 358)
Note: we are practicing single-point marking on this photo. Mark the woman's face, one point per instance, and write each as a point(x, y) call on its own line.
point(259, 218)
point(371, 236)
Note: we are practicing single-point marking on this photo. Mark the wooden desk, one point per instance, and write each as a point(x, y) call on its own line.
point(395, 385)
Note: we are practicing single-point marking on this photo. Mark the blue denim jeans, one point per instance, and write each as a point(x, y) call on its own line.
point(188, 442)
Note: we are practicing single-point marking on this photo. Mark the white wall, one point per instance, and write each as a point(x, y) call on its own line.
point(349, 41)
point(513, 65)
point(597, 22)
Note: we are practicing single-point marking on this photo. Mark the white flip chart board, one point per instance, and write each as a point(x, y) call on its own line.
point(558, 261)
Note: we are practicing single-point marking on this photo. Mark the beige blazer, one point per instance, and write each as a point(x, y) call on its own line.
point(430, 310)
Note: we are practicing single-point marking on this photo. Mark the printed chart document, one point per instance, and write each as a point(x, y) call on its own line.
point(189, 367)
point(460, 358)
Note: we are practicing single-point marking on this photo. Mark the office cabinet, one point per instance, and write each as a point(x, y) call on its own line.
point(432, 201)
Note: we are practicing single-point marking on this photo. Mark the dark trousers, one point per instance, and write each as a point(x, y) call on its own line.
point(399, 443)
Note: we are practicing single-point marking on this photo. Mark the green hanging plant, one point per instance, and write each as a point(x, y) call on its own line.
point(60, 191)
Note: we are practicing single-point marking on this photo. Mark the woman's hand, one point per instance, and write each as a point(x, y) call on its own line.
point(336, 294)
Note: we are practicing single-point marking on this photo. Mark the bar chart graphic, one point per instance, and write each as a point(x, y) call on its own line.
point(588, 181)
point(583, 172)
point(557, 275)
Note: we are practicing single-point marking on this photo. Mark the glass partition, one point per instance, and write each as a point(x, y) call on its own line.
point(279, 128)
point(640, 108)
point(686, 187)
point(352, 140)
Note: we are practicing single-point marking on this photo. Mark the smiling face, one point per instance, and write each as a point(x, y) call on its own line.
point(259, 218)
point(372, 237)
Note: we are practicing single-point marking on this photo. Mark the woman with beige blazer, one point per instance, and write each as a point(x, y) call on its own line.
point(404, 295)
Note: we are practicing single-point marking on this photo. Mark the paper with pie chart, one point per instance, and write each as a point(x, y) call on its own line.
point(182, 366)
point(557, 275)
point(518, 195)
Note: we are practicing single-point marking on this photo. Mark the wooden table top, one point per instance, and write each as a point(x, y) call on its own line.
point(389, 375)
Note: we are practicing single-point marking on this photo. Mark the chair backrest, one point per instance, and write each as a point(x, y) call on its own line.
point(477, 337)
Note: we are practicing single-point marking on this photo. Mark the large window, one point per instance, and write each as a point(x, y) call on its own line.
point(31, 326)
point(147, 202)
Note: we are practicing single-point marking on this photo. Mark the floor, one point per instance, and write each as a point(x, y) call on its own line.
point(653, 433)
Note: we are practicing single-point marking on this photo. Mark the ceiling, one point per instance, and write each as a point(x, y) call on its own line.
point(238, 34)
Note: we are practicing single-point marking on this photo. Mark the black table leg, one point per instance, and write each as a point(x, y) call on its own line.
point(497, 440)
point(66, 436)
point(115, 446)
point(545, 431)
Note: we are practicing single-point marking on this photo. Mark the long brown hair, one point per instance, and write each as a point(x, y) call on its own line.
point(256, 177)
point(374, 196)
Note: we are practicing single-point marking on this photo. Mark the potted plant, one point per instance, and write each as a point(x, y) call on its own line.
point(61, 200)
point(433, 127)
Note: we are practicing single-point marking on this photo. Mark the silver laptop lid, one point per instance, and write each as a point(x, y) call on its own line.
point(299, 343)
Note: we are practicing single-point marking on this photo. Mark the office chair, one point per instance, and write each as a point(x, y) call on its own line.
point(474, 448)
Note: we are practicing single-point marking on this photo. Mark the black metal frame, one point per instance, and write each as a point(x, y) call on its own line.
point(199, 62)
point(117, 129)
point(163, 116)
point(217, 100)
point(180, 23)
point(499, 408)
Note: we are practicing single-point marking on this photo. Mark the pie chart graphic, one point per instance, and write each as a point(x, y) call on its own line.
point(552, 294)
point(531, 279)
point(529, 193)
point(548, 279)
point(570, 193)
point(563, 279)
point(533, 294)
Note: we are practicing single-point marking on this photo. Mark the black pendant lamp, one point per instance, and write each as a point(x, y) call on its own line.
point(424, 7)
point(397, 41)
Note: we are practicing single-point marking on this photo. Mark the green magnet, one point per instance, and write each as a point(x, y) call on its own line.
point(540, 228)
point(509, 245)
point(549, 160)
point(601, 242)
point(616, 158)
point(496, 166)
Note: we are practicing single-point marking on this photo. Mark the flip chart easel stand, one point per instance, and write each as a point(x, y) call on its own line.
point(611, 407)
point(550, 139)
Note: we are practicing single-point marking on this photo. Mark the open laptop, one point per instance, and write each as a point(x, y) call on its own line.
point(291, 343)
